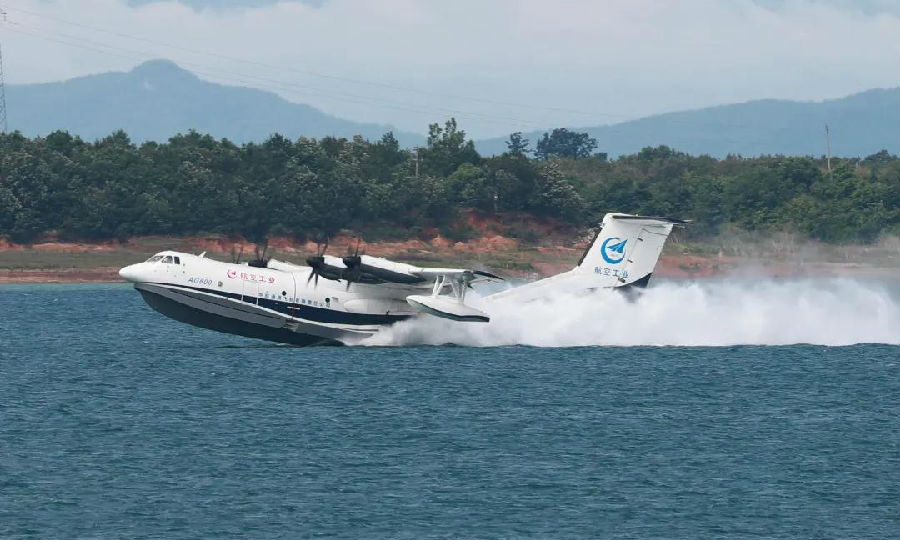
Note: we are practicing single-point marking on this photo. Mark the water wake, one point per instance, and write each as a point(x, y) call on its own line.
point(710, 313)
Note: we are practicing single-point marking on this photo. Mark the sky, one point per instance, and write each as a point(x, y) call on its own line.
point(497, 66)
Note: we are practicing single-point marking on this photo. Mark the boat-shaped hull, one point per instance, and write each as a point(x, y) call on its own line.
point(241, 318)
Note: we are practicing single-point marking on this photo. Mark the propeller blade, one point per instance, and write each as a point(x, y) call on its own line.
point(353, 272)
point(315, 263)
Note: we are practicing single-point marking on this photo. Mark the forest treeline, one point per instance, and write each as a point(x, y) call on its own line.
point(112, 188)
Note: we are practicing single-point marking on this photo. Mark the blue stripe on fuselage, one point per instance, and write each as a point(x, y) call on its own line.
point(302, 311)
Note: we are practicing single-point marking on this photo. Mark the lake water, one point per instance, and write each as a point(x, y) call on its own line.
point(118, 423)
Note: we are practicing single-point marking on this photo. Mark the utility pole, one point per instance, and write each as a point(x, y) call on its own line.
point(828, 147)
point(417, 161)
point(2, 97)
point(2, 87)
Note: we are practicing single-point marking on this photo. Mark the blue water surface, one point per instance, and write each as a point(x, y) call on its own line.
point(118, 423)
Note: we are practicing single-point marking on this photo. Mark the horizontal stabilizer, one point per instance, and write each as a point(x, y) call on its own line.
point(649, 219)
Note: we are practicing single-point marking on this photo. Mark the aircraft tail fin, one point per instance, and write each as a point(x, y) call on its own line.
point(623, 253)
point(626, 249)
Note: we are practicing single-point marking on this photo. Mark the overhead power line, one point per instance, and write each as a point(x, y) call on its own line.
point(257, 80)
point(320, 75)
point(280, 85)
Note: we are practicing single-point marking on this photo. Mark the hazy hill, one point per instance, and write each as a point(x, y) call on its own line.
point(860, 124)
point(158, 99)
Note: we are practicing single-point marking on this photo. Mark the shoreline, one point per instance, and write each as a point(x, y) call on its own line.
point(62, 275)
point(680, 268)
point(776, 258)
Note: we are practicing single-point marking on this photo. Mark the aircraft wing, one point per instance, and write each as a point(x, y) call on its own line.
point(369, 269)
point(450, 273)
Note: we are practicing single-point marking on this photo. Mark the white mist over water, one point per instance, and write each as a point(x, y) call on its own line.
point(710, 313)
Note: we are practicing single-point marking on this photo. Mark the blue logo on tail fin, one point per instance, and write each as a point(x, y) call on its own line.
point(613, 250)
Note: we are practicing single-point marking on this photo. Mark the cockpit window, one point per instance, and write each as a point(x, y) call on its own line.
point(177, 261)
point(167, 259)
point(154, 258)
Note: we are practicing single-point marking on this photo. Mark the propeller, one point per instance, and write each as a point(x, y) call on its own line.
point(317, 262)
point(261, 261)
point(353, 263)
point(235, 256)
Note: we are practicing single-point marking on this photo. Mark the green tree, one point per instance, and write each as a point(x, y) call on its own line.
point(60, 185)
point(517, 145)
point(472, 186)
point(564, 143)
point(447, 149)
point(555, 196)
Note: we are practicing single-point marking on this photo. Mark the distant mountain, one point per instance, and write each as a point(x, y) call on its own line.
point(860, 124)
point(158, 99)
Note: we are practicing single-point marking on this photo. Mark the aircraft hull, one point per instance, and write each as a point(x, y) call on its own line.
point(240, 318)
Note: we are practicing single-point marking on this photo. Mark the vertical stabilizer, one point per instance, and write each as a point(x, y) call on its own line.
point(623, 253)
point(626, 249)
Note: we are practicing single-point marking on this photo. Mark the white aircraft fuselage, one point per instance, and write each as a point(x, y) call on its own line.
point(337, 301)
point(276, 303)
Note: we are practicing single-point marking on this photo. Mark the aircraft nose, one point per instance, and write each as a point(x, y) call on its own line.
point(129, 273)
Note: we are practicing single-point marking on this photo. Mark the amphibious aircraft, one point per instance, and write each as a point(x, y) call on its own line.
point(359, 295)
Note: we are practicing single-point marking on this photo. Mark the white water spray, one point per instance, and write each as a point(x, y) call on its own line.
point(711, 313)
